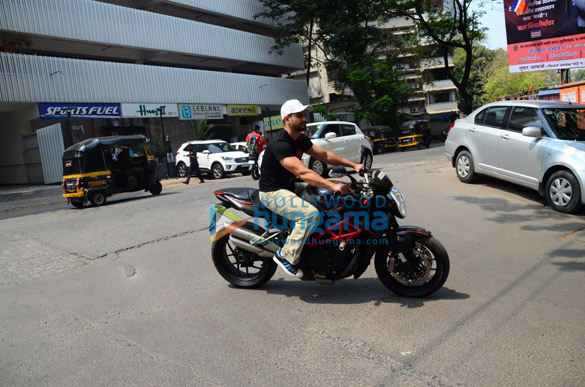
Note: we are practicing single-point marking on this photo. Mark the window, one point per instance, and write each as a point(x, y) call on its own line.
point(522, 117)
point(333, 128)
point(348, 130)
point(480, 117)
point(442, 97)
point(495, 116)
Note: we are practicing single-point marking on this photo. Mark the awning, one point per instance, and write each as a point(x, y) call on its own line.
point(549, 92)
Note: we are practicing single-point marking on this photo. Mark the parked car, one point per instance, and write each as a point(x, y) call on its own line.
point(214, 156)
point(342, 138)
point(414, 134)
point(383, 138)
point(536, 144)
point(241, 146)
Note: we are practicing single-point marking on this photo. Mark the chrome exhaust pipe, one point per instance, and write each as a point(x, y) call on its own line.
point(251, 248)
point(251, 239)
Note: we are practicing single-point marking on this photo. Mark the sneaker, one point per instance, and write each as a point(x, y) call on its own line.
point(185, 182)
point(201, 181)
point(286, 266)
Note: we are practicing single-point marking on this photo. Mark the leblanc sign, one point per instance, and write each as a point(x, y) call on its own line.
point(201, 112)
point(149, 110)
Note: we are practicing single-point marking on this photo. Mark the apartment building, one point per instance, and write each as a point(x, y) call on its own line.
point(434, 96)
point(74, 69)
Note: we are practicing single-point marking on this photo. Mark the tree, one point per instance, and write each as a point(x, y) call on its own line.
point(355, 48)
point(481, 70)
point(202, 130)
point(459, 29)
point(500, 82)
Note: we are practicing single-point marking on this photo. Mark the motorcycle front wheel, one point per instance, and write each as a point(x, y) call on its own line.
point(241, 267)
point(255, 174)
point(420, 278)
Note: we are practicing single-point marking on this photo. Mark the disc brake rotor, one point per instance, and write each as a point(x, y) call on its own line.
point(418, 272)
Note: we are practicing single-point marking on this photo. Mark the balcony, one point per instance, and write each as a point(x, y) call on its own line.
point(444, 84)
point(441, 107)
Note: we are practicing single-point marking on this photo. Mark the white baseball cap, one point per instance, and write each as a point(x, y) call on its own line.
point(294, 106)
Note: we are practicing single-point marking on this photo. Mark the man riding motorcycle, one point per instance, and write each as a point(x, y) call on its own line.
point(280, 166)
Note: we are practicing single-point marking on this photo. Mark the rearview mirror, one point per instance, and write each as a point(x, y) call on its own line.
point(532, 131)
point(206, 152)
point(330, 135)
point(338, 171)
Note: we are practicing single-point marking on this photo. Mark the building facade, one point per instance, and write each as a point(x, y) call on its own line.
point(94, 68)
point(434, 96)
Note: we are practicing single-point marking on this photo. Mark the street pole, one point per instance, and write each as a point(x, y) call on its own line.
point(160, 113)
point(269, 121)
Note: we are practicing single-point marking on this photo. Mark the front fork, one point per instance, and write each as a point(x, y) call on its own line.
point(400, 240)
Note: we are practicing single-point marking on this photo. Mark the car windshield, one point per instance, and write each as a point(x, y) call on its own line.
point(219, 147)
point(313, 131)
point(567, 123)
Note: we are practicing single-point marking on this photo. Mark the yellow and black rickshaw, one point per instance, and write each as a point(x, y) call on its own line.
point(414, 134)
point(100, 167)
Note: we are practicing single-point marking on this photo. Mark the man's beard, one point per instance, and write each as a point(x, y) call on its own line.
point(299, 128)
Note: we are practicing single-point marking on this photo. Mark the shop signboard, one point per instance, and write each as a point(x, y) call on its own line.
point(149, 110)
point(273, 123)
point(243, 110)
point(201, 111)
point(59, 110)
point(545, 34)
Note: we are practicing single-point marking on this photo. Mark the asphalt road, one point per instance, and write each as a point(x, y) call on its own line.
point(126, 295)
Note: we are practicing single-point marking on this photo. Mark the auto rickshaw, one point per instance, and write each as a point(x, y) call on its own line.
point(414, 134)
point(96, 168)
point(382, 136)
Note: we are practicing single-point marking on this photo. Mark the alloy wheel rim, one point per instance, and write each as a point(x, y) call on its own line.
point(318, 167)
point(463, 166)
point(561, 192)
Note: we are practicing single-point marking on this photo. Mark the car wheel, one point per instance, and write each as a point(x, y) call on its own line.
point(217, 171)
point(464, 167)
point(379, 149)
point(97, 198)
point(318, 167)
point(367, 158)
point(182, 169)
point(563, 193)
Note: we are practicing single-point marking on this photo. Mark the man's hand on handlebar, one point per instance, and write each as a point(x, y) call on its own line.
point(342, 188)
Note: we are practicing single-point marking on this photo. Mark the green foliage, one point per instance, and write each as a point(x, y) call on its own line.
point(348, 33)
point(202, 130)
point(322, 109)
point(481, 70)
point(380, 91)
point(447, 32)
point(500, 82)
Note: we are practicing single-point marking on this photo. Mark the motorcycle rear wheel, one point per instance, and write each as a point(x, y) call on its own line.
point(428, 275)
point(241, 267)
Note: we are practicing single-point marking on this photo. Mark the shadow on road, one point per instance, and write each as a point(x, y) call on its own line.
point(361, 291)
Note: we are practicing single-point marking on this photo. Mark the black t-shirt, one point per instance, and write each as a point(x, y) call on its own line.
point(273, 176)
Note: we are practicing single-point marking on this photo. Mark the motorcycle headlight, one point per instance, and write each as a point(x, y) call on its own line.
point(227, 158)
point(399, 203)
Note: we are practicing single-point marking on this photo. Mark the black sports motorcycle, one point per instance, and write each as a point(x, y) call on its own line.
point(408, 259)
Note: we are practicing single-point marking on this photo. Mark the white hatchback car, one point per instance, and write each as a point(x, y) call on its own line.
point(342, 138)
point(214, 156)
point(536, 144)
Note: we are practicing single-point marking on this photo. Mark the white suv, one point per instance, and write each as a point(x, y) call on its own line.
point(342, 138)
point(214, 156)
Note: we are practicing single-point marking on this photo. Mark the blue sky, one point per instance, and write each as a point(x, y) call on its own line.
point(494, 21)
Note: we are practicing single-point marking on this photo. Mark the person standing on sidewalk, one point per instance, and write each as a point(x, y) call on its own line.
point(193, 165)
point(280, 166)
